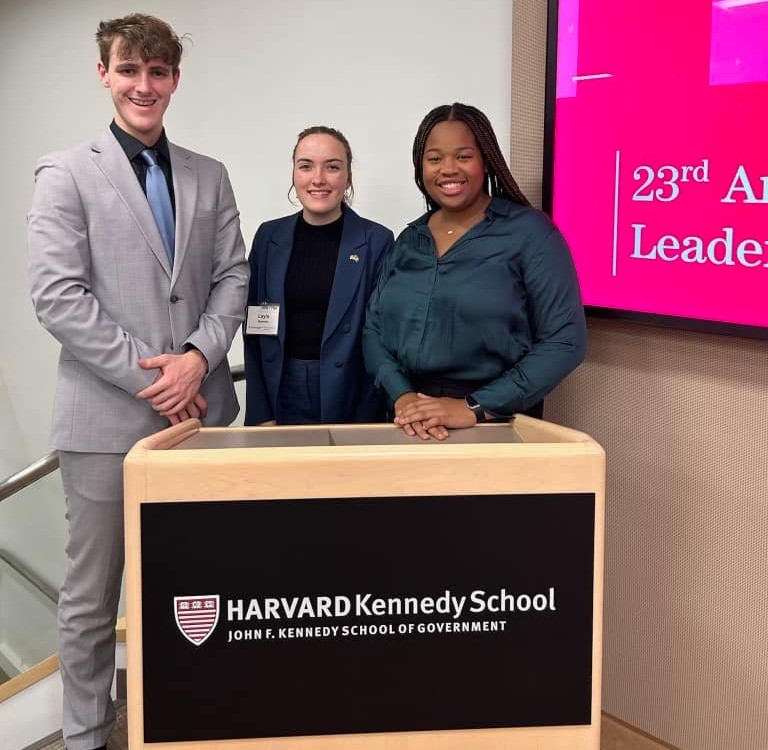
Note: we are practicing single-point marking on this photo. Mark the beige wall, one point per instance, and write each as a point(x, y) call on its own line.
point(682, 417)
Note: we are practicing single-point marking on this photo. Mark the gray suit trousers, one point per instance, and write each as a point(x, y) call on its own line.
point(89, 596)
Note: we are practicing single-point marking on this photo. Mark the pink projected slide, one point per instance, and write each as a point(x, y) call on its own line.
point(661, 155)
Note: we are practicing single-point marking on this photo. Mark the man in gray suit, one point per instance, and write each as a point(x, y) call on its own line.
point(137, 267)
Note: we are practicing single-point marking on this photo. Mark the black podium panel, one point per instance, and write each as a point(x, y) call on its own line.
point(305, 617)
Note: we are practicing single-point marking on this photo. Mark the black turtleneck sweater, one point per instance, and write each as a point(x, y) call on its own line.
point(308, 284)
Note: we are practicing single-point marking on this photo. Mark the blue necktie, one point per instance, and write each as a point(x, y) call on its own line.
point(160, 201)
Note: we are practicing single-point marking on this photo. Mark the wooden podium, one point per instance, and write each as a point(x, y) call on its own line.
point(350, 588)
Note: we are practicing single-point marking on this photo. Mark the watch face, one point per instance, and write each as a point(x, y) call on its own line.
point(478, 410)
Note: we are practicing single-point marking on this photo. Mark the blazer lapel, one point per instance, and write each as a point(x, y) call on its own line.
point(278, 256)
point(350, 266)
point(110, 158)
point(185, 193)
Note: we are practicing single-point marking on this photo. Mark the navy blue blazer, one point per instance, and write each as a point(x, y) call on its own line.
point(347, 392)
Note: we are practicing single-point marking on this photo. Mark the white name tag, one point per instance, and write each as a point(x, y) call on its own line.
point(262, 319)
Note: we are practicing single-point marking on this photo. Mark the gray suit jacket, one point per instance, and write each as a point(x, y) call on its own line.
point(102, 285)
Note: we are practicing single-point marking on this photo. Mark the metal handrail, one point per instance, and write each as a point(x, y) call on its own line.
point(15, 564)
point(49, 463)
point(29, 475)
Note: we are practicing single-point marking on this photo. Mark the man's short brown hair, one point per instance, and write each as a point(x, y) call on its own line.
point(147, 36)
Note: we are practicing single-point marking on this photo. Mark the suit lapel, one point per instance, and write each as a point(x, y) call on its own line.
point(350, 266)
point(185, 193)
point(110, 158)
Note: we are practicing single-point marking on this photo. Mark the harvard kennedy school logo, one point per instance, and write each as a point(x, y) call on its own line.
point(196, 616)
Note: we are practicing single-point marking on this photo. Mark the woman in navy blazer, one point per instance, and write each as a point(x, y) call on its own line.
point(312, 274)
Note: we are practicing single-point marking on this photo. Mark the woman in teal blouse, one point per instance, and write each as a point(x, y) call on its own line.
point(477, 314)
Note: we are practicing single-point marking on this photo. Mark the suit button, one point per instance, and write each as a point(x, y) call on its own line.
point(347, 327)
point(174, 299)
point(339, 364)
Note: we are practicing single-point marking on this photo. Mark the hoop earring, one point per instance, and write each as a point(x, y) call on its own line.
point(290, 200)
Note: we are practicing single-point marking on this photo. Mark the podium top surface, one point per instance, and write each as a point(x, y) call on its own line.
point(336, 435)
point(514, 435)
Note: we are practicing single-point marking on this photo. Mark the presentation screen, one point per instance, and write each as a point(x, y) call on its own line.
point(657, 158)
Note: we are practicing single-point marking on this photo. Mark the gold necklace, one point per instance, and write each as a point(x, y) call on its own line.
point(467, 223)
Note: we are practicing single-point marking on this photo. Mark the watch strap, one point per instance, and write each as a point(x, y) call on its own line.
point(475, 408)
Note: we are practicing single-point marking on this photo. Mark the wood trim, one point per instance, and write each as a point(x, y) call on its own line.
point(618, 735)
point(170, 436)
point(120, 630)
point(29, 677)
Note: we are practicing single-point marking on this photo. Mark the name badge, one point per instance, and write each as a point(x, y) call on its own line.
point(262, 319)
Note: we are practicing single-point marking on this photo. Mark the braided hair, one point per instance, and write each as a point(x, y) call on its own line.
point(499, 180)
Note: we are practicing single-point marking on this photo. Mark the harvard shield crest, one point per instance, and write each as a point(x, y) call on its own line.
point(196, 616)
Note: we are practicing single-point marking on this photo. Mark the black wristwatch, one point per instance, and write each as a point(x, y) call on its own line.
point(475, 408)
